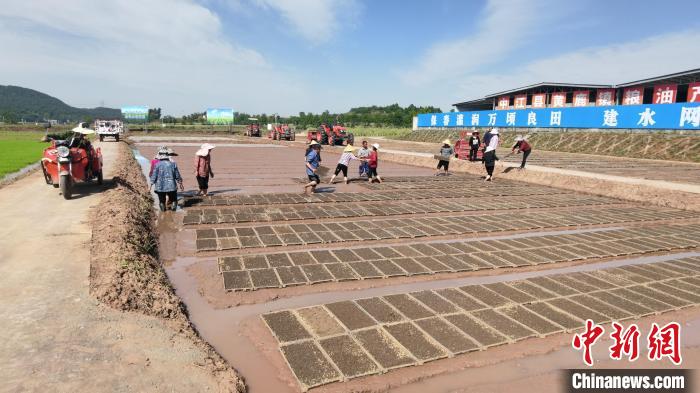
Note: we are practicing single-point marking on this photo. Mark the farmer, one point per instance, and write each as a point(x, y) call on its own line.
point(163, 150)
point(202, 167)
point(313, 159)
point(372, 162)
point(165, 179)
point(363, 153)
point(490, 154)
point(487, 138)
point(474, 142)
point(523, 146)
point(446, 151)
point(343, 162)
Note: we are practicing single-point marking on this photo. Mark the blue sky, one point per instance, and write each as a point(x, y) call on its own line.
point(287, 56)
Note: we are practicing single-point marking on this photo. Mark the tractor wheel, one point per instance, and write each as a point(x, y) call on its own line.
point(100, 180)
point(116, 137)
point(65, 186)
point(324, 139)
point(102, 138)
point(292, 137)
point(351, 139)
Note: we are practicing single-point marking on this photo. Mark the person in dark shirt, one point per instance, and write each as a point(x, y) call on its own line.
point(523, 146)
point(474, 142)
point(446, 151)
point(313, 160)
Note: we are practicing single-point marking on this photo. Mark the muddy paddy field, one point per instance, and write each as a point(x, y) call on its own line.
point(422, 283)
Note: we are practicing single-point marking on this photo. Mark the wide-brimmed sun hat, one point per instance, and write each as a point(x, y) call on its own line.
point(314, 143)
point(204, 149)
point(447, 142)
point(519, 138)
point(494, 131)
point(348, 149)
point(84, 131)
point(375, 145)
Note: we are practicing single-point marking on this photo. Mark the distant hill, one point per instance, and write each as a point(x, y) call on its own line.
point(18, 103)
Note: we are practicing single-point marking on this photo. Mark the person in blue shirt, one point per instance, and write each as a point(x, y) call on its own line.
point(165, 179)
point(313, 160)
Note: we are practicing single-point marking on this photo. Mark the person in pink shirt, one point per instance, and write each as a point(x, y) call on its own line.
point(202, 168)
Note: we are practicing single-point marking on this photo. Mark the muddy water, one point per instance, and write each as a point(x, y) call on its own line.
point(224, 328)
point(239, 336)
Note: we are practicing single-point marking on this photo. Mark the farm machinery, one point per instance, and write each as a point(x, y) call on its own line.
point(462, 146)
point(331, 135)
point(253, 129)
point(67, 162)
point(281, 132)
point(105, 128)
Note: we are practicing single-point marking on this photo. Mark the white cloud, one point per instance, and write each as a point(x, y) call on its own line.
point(160, 53)
point(317, 21)
point(504, 25)
point(612, 64)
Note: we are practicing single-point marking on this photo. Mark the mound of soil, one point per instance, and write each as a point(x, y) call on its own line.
point(125, 272)
point(658, 146)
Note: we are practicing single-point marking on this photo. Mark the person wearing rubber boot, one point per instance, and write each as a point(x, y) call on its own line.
point(165, 180)
point(373, 163)
point(202, 168)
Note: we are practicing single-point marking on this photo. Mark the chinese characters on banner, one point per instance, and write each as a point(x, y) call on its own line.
point(633, 96)
point(694, 92)
point(520, 101)
point(605, 97)
point(665, 94)
point(558, 100)
point(581, 98)
point(538, 100)
point(503, 102)
point(662, 342)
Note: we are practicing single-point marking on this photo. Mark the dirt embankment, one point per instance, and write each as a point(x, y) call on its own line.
point(125, 272)
point(657, 146)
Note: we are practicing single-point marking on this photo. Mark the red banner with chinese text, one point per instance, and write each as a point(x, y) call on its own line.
point(665, 94)
point(558, 100)
point(520, 101)
point(503, 102)
point(633, 96)
point(539, 100)
point(694, 92)
point(581, 98)
point(605, 97)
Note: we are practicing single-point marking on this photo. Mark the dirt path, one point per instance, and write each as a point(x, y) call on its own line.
point(52, 332)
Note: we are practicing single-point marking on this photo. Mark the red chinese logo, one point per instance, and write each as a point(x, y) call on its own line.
point(665, 342)
point(586, 340)
point(626, 342)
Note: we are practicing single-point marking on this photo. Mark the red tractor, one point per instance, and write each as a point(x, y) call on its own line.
point(253, 129)
point(335, 135)
point(462, 146)
point(280, 132)
point(67, 162)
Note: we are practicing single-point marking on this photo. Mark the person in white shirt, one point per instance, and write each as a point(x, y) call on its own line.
point(363, 153)
point(343, 162)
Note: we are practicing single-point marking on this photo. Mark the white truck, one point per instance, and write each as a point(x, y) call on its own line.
point(113, 128)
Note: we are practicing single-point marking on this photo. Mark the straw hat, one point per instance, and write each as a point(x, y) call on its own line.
point(204, 149)
point(348, 149)
point(84, 131)
point(519, 138)
point(376, 146)
point(314, 143)
point(494, 131)
point(447, 142)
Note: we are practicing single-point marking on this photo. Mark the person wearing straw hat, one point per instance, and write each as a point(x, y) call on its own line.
point(446, 151)
point(343, 163)
point(202, 168)
point(523, 146)
point(373, 163)
point(165, 179)
point(313, 160)
point(163, 150)
point(490, 154)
